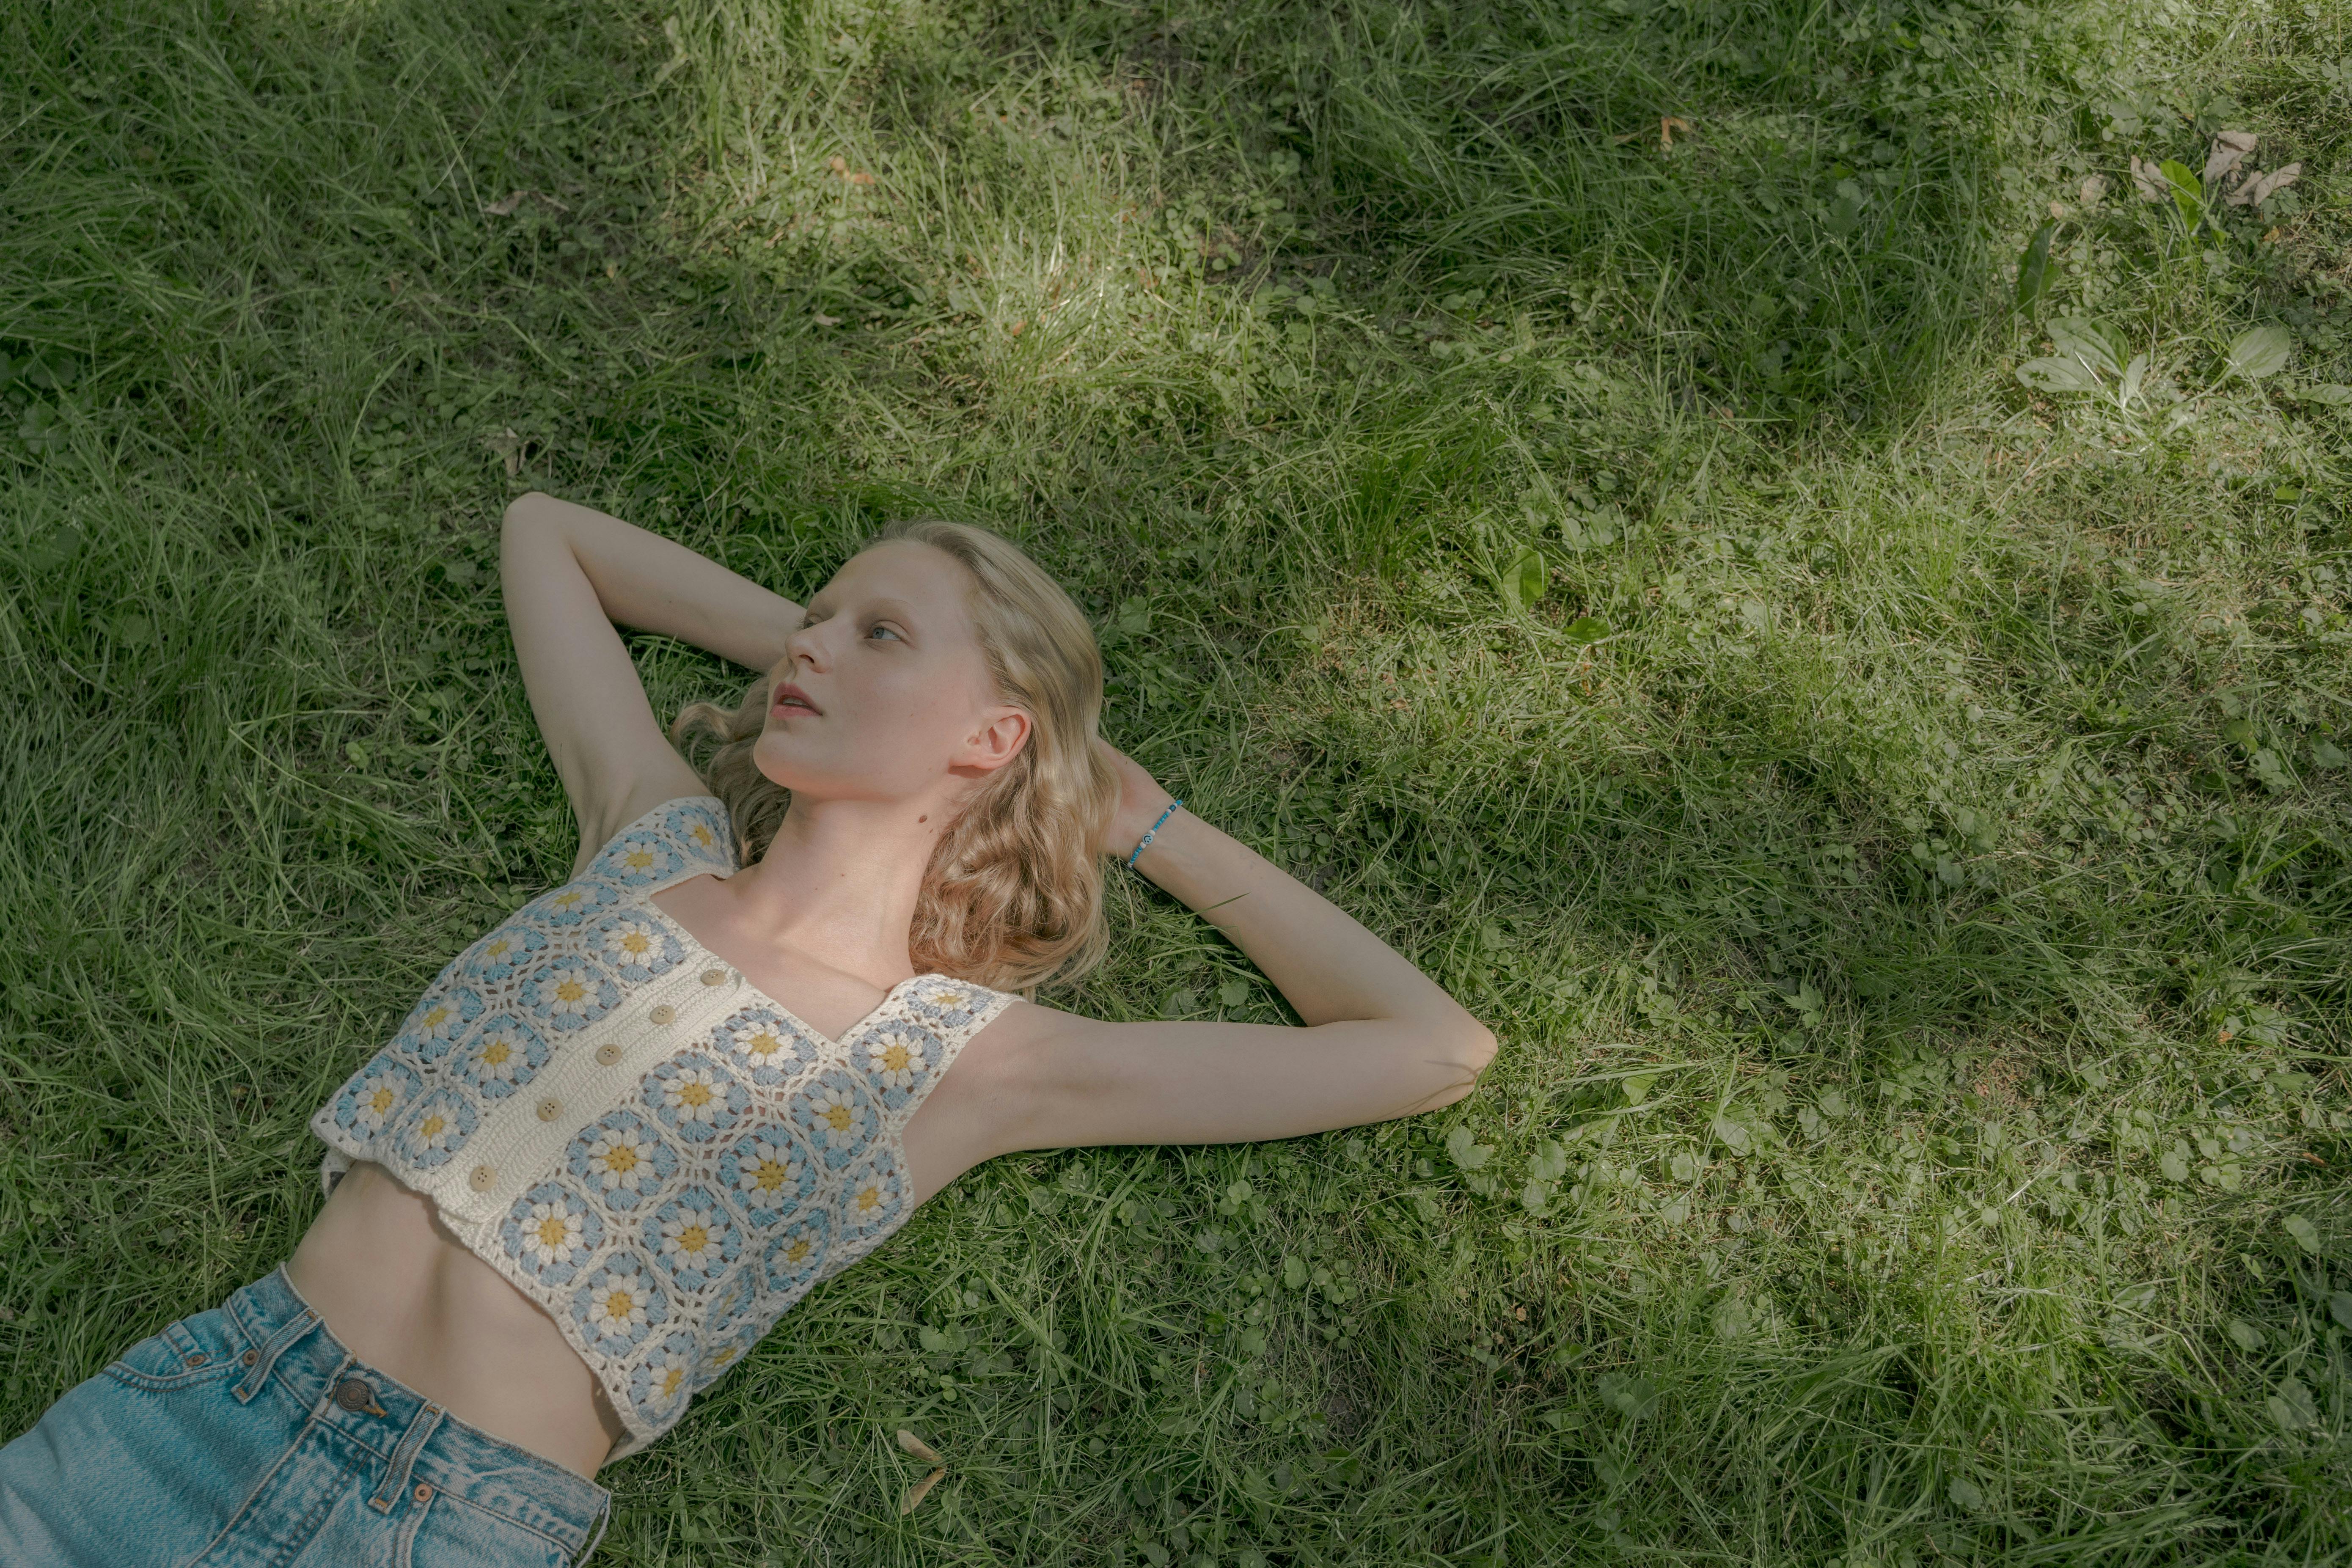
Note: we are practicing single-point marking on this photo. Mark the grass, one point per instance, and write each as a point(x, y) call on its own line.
point(1895, 819)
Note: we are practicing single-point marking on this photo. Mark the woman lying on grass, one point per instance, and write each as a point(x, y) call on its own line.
point(602, 1156)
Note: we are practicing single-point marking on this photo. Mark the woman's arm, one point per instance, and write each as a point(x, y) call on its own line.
point(568, 573)
point(1382, 1039)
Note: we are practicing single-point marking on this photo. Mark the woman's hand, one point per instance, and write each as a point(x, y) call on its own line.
point(1141, 802)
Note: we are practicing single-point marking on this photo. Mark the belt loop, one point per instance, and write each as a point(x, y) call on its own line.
point(261, 1359)
point(412, 1442)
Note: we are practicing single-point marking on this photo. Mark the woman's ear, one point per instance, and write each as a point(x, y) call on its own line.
point(994, 743)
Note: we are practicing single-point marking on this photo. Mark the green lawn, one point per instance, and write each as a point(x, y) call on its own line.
point(1895, 817)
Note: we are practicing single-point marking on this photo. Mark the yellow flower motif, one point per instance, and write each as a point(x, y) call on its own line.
point(673, 1379)
point(892, 1061)
point(496, 1058)
point(701, 834)
point(435, 1017)
point(550, 1231)
point(798, 1252)
point(869, 1197)
point(378, 1098)
point(835, 1115)
point(689, 1236)
point(619, 1158)
point(694, 1093)
point(500, 947)
point(638, 859)
point(568, 990)
point(568, 898)
point(636, 944)
point(618, 1306)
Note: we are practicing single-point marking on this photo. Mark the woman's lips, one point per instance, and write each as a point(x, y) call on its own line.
point(788, 698)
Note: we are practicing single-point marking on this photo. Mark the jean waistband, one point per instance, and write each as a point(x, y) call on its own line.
point(423, 1445)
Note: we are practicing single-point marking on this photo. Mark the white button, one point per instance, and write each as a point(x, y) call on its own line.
point(662, 1014)
point(714, 977)
point(608, 1054)
point(550, 1109)
point(483, 1176)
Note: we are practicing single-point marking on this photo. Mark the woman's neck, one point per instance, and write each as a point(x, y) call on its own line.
point(838, 885)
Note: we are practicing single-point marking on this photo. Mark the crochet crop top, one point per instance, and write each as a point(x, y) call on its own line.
point(659, 1155)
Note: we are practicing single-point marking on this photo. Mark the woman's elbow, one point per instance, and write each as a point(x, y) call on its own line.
point(1474, 1046)
point(1467, 1052)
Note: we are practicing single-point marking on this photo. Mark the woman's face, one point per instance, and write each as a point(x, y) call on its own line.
point(885, 693)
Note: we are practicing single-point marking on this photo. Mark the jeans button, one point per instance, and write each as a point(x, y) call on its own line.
point(353, 1395)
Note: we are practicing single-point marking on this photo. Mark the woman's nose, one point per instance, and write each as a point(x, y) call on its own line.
point(806, 645)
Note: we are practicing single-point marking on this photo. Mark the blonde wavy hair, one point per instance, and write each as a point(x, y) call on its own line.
point(1013, 896)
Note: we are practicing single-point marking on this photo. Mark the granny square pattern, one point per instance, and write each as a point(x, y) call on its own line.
point(660, 1155)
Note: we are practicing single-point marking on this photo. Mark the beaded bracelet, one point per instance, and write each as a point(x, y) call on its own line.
point(1154, 828)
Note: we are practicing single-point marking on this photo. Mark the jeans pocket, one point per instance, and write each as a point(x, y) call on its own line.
point(194, 1351)
point(450, 1533)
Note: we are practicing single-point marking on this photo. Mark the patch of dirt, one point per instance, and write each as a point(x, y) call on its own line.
point(1998, 1080)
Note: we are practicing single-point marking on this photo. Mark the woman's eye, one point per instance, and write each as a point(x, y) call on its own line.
point(881, 631)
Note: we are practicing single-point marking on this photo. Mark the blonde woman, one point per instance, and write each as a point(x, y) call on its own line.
point(773, 1010)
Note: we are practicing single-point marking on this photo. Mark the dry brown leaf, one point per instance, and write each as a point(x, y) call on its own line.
point(919, 1491)
point(2094, 189)
point(2149, 181)
point(2256, 192)
point(917, 1446)
point(2228, 148)
point(1668, 125)
point(508, 446)
point(821, 319)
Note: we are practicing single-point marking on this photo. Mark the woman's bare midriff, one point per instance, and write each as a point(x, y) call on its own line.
point(405, 1296)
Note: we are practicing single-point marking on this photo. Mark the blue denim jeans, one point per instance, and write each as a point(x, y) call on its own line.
point(247, 1436)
